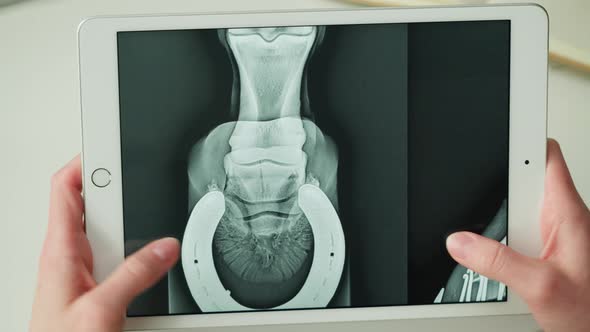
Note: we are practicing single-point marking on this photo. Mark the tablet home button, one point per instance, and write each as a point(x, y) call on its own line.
point(101, 177)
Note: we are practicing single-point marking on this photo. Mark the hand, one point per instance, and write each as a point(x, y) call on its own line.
point(68, 299)
point(556, 285)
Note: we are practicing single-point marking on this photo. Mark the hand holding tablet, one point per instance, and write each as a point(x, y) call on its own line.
point(68, 297)
point(314, 163)
point(552, 286)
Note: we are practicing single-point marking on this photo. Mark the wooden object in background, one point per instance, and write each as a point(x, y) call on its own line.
point(559, 51)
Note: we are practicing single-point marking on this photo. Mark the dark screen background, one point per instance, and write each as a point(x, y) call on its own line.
point(457, 140)
point(419, 113)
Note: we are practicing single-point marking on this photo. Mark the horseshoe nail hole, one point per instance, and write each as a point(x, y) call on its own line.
point(196, 261)
point(331, 254)
point(526, 162)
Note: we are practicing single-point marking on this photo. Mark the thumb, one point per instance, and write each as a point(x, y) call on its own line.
point(137, 273)
point(497, 262)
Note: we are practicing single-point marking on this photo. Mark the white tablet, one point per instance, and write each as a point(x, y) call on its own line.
point(313, 163)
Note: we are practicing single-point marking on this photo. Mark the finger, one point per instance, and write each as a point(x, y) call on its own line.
point(62, 254)
point(139, 271)
point(562, 202)
point(495, 261)
point(65, 212)
point(560, 190)
point(66, 204)
point(558, 182)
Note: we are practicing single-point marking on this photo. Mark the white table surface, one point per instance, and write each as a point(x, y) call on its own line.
point(40, 131)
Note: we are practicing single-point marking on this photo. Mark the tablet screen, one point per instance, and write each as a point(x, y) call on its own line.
point(314, 167)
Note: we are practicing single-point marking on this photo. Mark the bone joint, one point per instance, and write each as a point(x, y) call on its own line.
point(261, 160)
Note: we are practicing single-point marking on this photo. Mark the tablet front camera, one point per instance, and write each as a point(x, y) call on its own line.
point(265, 239)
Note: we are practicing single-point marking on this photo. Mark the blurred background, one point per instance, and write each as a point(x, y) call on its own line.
point(40, 126)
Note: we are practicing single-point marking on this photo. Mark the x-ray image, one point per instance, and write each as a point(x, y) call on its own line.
point(264, 166)
point(314, 166)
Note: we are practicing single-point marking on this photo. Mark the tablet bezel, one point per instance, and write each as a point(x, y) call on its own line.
point(99, 96)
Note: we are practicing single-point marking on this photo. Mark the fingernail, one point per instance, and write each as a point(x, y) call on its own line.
point(458, 244)
point(165, 248)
